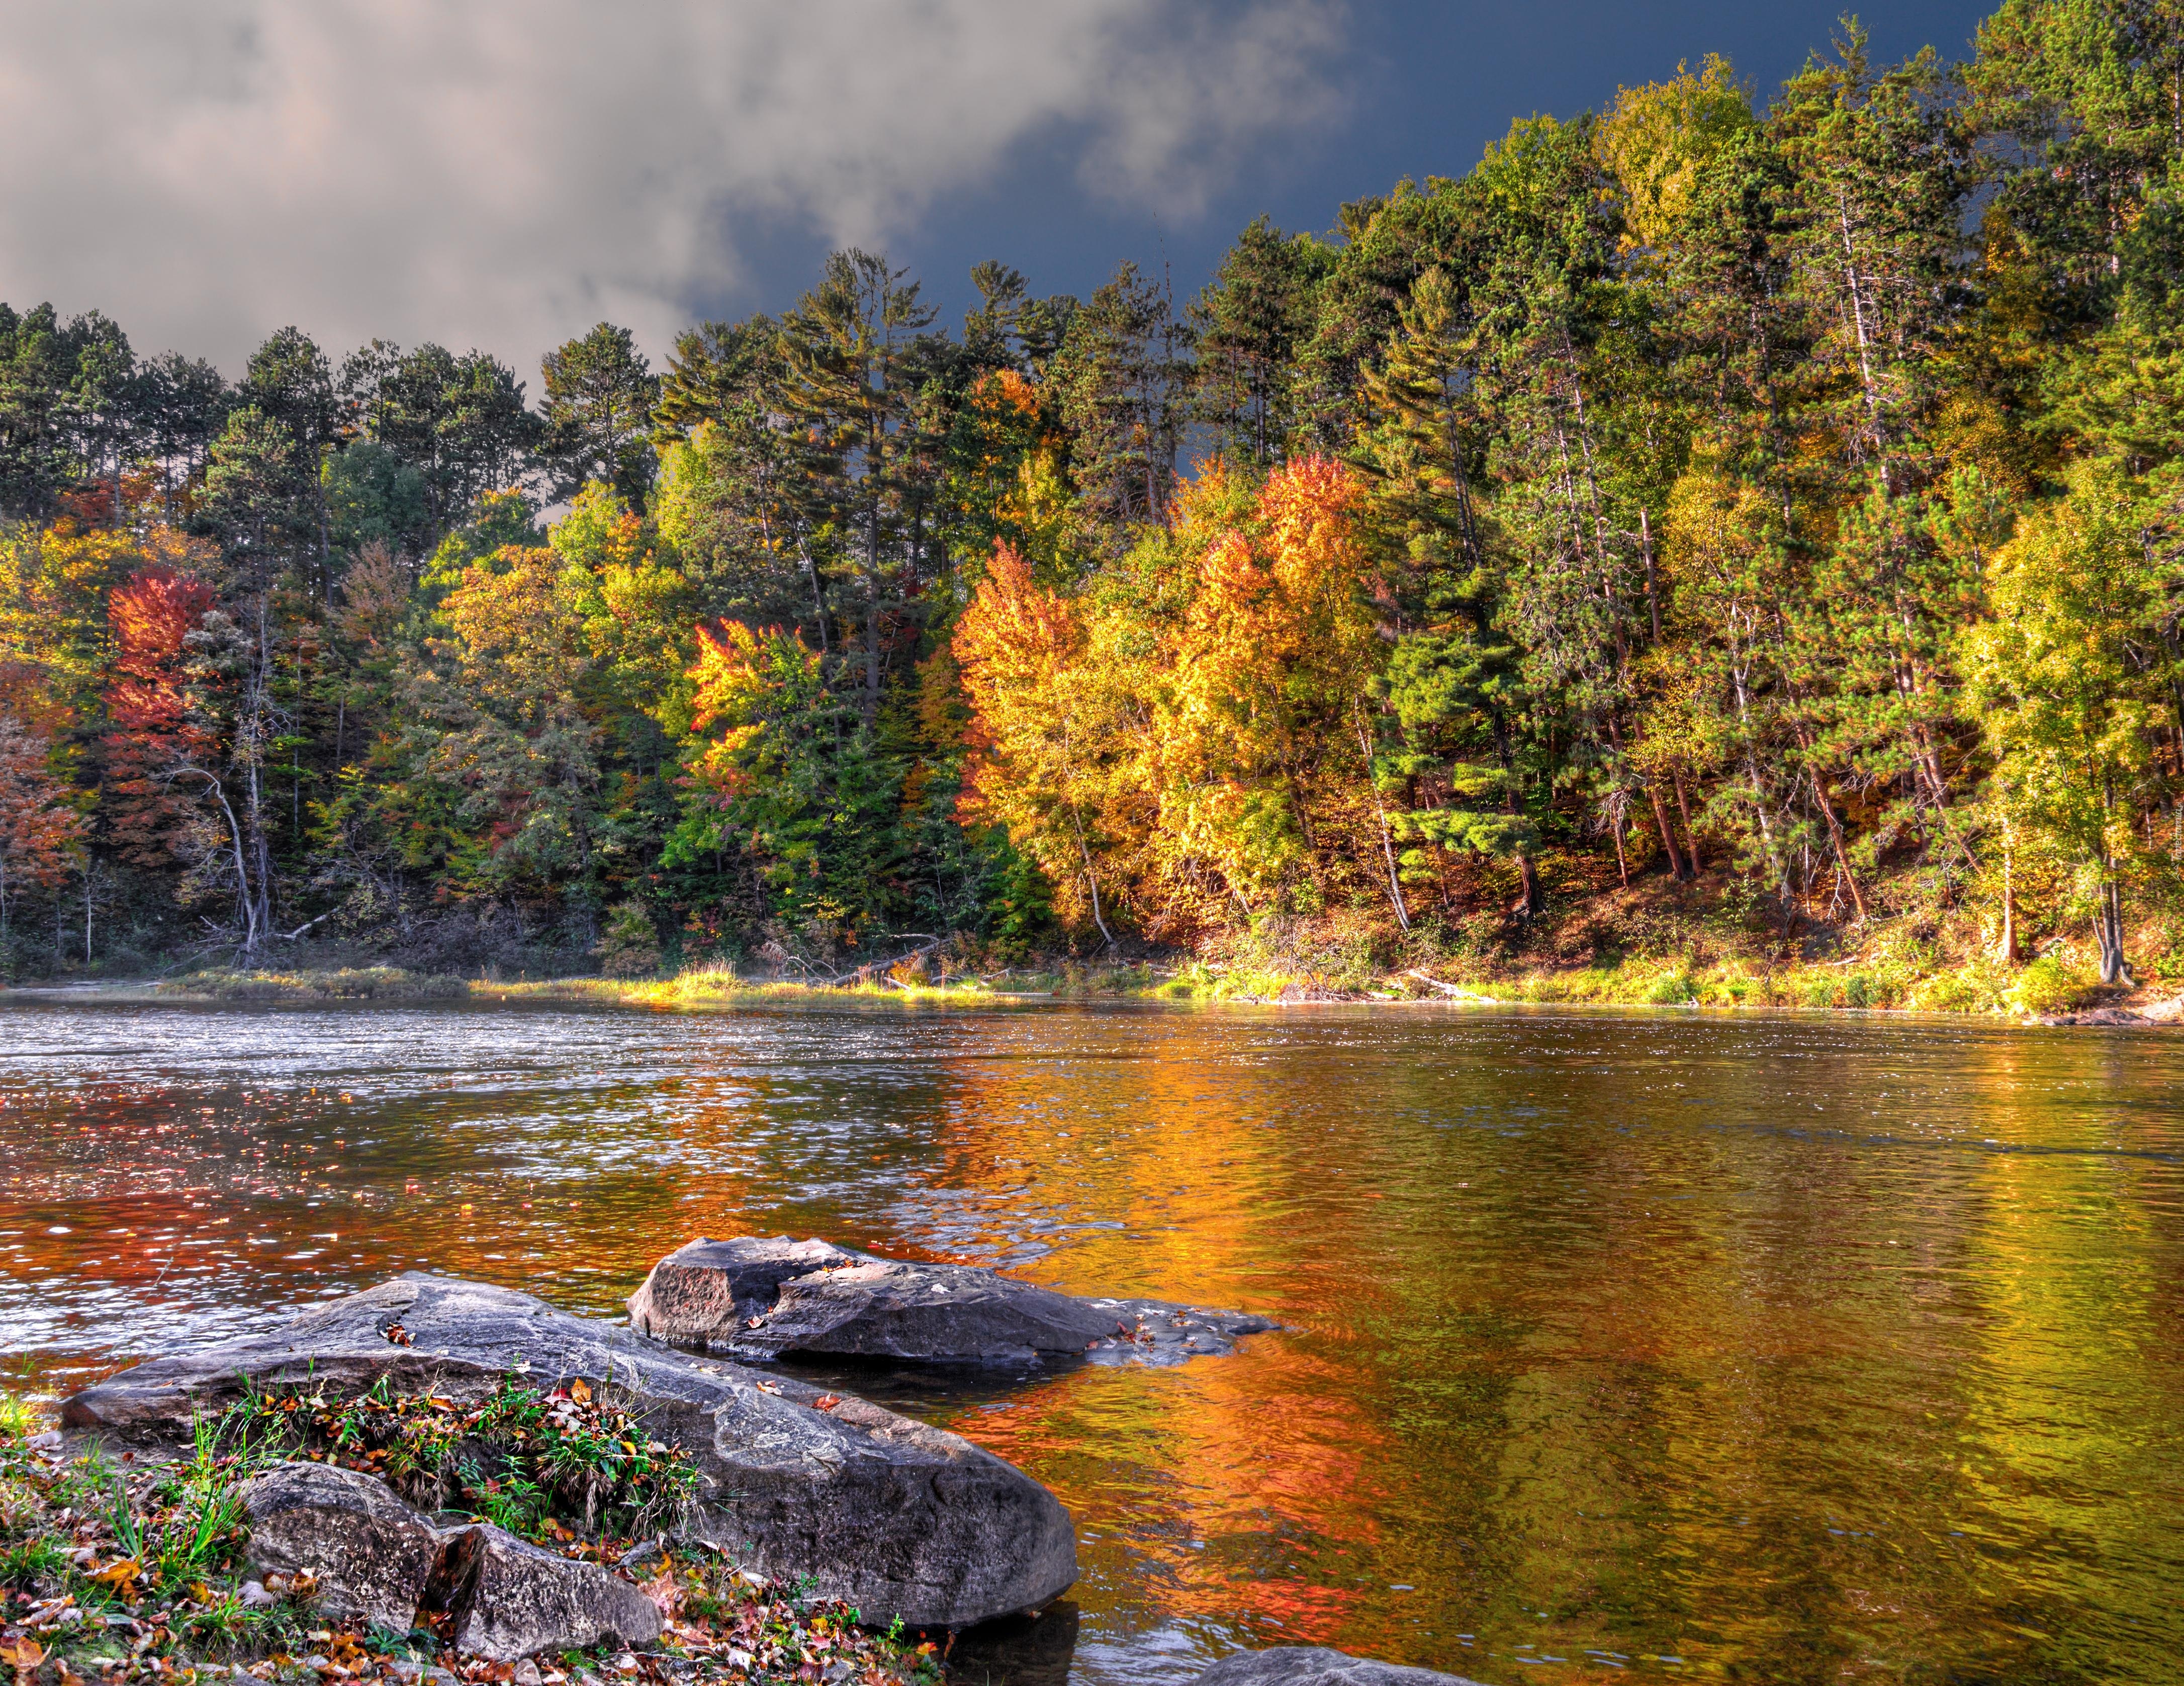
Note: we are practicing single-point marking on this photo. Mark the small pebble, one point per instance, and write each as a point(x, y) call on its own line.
point(526, 1674)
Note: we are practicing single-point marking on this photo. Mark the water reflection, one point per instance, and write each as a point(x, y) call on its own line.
point(1781, 1349)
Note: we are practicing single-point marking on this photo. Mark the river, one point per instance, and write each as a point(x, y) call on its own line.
point(1776, 1348)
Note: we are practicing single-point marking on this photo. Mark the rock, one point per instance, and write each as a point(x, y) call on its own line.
point(646, 1557)
point(717, 1286)
point(2098, 1015)
point(748, 1298)
point(892, 1515)
point(371, 1554)
point(510, 1599)
point(1316, 1665)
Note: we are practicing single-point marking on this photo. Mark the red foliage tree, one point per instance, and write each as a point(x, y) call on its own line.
point(148, 708)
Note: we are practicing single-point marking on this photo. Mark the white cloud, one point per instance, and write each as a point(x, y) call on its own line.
point(504, 173)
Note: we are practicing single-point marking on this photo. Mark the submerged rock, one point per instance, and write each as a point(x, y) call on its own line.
point(371, 1555)
point(762, 1298)
point(888, 1514)
point(511, 1599)
point(1316, 1665)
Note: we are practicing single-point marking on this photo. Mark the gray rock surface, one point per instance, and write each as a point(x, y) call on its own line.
point(891, 1515)
point(371, 1555)
point(511, 1600)
point(1316, 1665)
point(760, 1299)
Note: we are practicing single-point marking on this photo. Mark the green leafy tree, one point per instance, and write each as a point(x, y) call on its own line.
point(2068, 679)
point(598, 394)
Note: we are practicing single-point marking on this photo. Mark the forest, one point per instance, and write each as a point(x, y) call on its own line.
point(1765, 504)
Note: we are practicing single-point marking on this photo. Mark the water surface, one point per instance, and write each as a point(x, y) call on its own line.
point(1772, 1348)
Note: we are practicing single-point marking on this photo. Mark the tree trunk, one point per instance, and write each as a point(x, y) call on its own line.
point(2007, 947)
point(1387, 842)
point(1690, 832)
point(1091, 877)
point(2108, 936)
point(1668, 832)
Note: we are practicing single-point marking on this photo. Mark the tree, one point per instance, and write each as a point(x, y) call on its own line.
point(1045, 733)
point(1247, 326)
point(150, 729)
point(597, 411)
point(854, 361)
point(460, 423)
point(181, 407)
point(782, 772)
point(1452, 681)
point(1123, 377)
point(41, 832)
point(2067, 676)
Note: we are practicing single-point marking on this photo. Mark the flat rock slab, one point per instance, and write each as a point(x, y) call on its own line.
point(759, 1298)
point(1316, 1665)
point(890, 1515)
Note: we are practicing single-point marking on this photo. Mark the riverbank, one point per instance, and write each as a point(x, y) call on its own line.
point(2048, 991)
point(1652, 943)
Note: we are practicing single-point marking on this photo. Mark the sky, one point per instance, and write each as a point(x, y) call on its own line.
point(503, 174)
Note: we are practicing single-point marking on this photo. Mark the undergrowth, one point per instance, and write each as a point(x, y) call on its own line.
point(135, 1574)
point(368, 983)
point(538, 1465)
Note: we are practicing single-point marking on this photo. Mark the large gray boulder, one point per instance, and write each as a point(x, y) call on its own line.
point(374, 1558)
point(758, 1298)
point(511, 1599)
point(894, 1517)
point(371, 1555)
point(1316, 1665)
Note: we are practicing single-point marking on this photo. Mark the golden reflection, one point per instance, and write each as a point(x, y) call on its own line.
point(1789, 1350)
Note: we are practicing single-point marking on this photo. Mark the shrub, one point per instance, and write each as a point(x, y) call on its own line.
point(1672, 989)
point(2045, 986)
point(629, 948)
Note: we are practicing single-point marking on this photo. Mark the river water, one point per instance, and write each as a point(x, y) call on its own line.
point(1768, 1348)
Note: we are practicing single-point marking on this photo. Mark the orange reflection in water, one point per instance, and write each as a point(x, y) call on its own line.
point(1791, 1349)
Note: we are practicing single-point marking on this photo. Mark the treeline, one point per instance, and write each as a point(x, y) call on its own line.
point(1788, 492)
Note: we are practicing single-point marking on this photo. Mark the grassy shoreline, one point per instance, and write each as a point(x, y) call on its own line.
point(2050, 990)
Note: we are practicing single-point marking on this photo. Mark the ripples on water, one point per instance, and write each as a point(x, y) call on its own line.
point(1773, 1348)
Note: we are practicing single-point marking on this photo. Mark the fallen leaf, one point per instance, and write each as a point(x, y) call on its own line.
point(773, 1388)
point(579, 1391)
point(826, 1402)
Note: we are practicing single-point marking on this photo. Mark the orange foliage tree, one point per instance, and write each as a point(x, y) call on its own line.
point(1193, 730)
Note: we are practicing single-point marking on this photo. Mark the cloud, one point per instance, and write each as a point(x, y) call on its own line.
point(504, 173)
